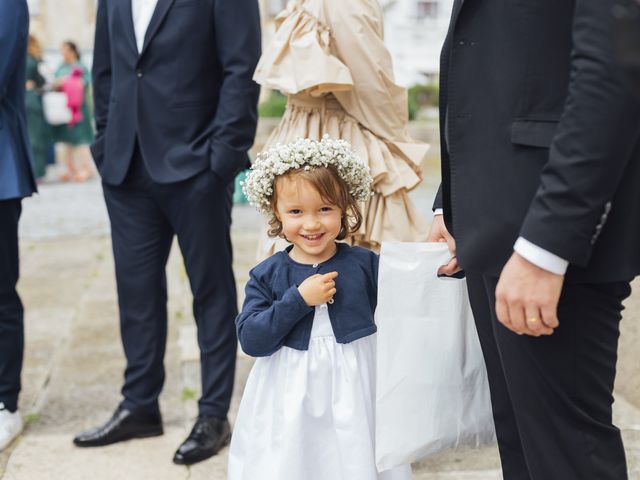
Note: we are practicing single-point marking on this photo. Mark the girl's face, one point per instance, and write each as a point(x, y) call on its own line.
point(68, 55)
point(308, 221)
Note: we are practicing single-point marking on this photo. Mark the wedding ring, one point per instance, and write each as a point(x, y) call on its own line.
point(533, 319)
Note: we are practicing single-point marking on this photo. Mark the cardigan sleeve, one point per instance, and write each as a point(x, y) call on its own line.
point(264, 323)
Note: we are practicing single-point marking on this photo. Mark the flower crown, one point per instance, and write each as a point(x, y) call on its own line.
point(306, 154)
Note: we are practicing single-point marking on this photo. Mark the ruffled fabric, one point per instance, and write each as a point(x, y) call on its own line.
point(299, 57)
point(330, 58)
point(390, 215)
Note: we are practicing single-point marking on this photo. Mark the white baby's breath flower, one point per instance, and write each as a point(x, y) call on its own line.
point(306, 154)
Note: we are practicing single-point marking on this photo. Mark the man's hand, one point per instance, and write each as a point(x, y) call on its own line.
point(527, 298)
point(439, 233)
point(318, 289)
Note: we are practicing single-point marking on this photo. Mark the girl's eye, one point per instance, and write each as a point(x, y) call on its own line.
point(295, 211)
point(326, 209)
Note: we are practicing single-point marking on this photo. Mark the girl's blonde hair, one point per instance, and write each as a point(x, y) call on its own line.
point(332, 188)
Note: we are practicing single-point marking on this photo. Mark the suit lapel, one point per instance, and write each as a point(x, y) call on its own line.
point(444, 66)
point(457, 7)
point(162, 8)
point(127, 15)
point(455, 13)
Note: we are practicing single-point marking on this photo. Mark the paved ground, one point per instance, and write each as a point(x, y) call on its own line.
point(74, 361)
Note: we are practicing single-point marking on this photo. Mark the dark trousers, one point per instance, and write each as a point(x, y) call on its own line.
point(145, 216)
point(552, 396)
point(11, 313)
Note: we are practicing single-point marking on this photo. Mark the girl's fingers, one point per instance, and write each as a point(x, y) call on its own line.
point(330, 276)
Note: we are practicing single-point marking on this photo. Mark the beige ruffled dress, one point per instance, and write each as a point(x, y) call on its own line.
point(329, 58)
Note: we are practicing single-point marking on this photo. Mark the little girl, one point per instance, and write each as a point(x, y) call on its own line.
point(308, 407)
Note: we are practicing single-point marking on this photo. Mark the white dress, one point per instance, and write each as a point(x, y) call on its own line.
point(309, 415)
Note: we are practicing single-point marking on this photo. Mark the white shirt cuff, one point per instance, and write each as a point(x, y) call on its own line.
point(438, 211)
point(541, 257)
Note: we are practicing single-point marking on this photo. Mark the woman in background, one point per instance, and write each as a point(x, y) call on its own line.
point(78, 134)
point(329, 58)
point(39, 131)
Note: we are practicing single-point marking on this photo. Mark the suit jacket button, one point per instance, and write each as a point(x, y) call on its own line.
point(139, 73)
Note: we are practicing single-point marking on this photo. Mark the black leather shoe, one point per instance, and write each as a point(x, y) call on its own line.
point(123, 425)
point(208, 436)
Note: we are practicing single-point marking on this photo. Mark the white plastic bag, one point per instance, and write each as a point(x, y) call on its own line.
point(432, 392)
point(56, 111)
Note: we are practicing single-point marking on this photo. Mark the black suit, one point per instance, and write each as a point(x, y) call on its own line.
point(175, 122)
point(542, 140)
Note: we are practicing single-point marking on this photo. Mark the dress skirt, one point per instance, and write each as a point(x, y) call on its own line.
point(309, 415)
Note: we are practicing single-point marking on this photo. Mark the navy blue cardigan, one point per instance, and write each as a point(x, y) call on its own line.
point(274, 313)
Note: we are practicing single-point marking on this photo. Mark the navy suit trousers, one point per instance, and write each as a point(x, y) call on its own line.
point(11, 313)
point(145, 216)
point(552, 395)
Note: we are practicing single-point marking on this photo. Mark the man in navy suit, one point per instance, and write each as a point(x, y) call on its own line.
point(175, 111)
point(16, 182)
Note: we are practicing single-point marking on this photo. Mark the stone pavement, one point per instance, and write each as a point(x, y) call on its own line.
point(74, 360)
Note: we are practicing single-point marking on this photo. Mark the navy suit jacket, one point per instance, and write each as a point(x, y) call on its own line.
point(188, 97)
point(16, 175)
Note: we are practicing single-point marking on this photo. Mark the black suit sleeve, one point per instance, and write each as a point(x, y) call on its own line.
point(101, 77)
point(437, 202)
point(596, 136)
point(237, 27)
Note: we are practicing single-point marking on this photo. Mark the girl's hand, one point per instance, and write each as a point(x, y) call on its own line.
point(318, 289)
